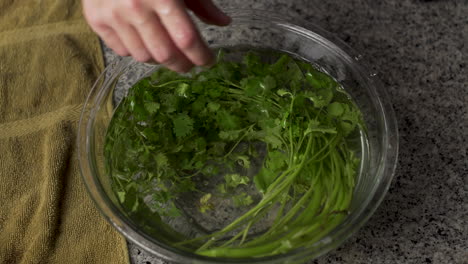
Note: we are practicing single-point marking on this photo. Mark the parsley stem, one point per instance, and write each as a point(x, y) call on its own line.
point(291, 144)
point(170, 83)
point(269, 197)
point(239, 141)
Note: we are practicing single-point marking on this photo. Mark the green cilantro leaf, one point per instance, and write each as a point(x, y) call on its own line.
point(121, 196)
point(335, 109)
point(242, 199)
point(204, 204)
point(213, 106)
point(252, 61)
point(268, 83)
point(235, 179)
point(183, 125)
point(227, 121)
point(264, 179)
point(170, 102)
point(252, 86)
point(183, 90)
point(282, 92)
point(221, 188)
point(161, 160)
point(152, 107)
point(230, 135)
point(315, 126)
point(276, 160)
point(243, 160)
point(280, 64)
point(320, 98)
point(274, 141)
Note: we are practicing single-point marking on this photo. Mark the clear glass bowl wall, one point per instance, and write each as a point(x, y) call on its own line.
point(263, 30)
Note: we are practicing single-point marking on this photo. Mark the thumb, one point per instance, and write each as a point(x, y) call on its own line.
point(207, 11)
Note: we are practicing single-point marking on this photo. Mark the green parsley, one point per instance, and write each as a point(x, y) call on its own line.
point(172, 131)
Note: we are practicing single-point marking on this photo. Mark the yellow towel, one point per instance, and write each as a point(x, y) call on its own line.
point(49, 60)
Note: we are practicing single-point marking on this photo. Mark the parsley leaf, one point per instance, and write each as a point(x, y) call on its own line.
point(227, 121)
point(152, 107)
point(183, 125)
point(235, 179)
point(205, 204)
point(252, 86)
point(242, 199)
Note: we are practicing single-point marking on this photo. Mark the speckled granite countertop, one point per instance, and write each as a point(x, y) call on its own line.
point(420, 51)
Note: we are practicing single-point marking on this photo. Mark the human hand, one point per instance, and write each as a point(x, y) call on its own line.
point(159, 30)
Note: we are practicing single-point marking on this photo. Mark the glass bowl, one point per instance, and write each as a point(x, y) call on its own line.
point(257, 29)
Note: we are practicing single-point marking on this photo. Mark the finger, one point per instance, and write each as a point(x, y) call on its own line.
point(112, 40)
point(182, 31)
point(103, 29)
point(159, 44)
point(207, 11)
point(132, 41)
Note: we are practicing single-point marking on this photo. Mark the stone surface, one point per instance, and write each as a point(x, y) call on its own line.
point(419, 50)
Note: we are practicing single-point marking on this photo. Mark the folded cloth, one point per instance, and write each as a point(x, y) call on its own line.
point(49, 60)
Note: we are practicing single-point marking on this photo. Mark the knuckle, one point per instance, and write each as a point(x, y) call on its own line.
point(165, 7)
point(106, 32)
point(186, 40)
point(165, 57)
point(121, 51)
point(164, 2)
point(133, 5)
point(142, 57)
point(118, 48)
point(93, 17)
point(95, 21)
point(112, 15)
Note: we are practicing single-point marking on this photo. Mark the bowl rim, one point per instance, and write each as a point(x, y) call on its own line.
point(124, 225)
